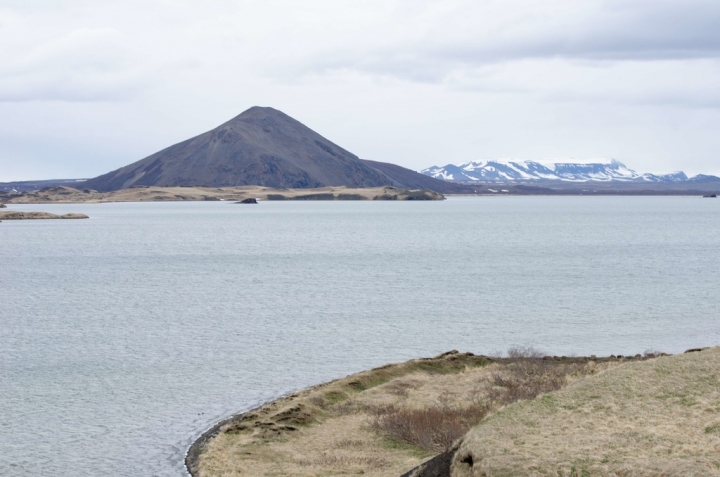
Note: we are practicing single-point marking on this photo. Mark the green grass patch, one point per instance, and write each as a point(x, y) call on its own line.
point(447, 363)
point(334, 397)
point(548, 400)
point(714, 429)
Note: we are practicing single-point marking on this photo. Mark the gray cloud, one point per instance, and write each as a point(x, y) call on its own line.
point(80, 65)
point(590, 31)
point(90, 85)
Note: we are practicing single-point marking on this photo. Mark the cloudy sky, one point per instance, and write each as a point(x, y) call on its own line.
point(87, 86)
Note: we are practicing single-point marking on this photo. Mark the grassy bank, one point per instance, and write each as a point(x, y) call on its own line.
point(382, 422)
point(653, 418)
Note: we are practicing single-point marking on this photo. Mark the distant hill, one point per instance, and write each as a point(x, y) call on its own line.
point(22, 186)
point(497, 171)
point(261, 146)
point(265, 147)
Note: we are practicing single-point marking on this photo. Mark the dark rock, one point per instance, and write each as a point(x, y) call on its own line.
point(410, 179)
point(391, 193)
point(438, 466)
point(250, 200)
point(710, 196)
point(319, 196)
point(421, 195)
point(294, 416)
point(57, 190)
point(15, 215)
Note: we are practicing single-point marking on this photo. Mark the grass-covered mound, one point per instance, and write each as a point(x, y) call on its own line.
point(381, 422)
point(659, 417)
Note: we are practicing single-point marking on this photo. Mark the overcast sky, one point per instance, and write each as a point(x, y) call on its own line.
point(89, 86)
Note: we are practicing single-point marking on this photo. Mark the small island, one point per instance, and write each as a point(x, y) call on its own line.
point(15, 215)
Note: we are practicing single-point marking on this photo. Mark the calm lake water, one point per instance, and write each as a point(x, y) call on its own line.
point(124, 336)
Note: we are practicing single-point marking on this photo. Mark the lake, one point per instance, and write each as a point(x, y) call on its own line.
point(125, 336)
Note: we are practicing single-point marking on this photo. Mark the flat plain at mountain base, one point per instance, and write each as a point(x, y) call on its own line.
point(62, 194)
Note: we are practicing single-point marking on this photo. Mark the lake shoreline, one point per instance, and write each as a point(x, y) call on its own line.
point(459, 362)
point(143, 327)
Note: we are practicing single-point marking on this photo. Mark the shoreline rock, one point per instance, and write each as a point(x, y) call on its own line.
point(15, 215)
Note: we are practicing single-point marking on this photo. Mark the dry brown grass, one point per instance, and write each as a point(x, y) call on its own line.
point(525, 375)
point(381, 422)
point(434, 428)
point(525, 379)
point(655, 418)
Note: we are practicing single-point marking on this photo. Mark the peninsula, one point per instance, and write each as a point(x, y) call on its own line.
point(523, 414)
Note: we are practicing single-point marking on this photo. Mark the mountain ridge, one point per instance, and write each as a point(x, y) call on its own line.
point(508, 171)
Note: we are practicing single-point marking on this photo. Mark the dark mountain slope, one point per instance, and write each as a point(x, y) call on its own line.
point(410, 179)
point(261, 146)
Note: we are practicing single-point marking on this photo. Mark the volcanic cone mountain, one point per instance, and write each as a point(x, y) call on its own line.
point(261, 146)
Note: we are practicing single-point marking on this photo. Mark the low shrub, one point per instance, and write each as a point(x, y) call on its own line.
point(524, 375)
point(434, 428)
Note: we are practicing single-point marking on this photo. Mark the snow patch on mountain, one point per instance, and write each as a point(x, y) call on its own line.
point(509, 170)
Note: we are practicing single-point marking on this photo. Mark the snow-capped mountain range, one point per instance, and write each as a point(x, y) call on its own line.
point(522, 171)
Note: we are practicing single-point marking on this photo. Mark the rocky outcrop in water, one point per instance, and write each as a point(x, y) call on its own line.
point(14, 215)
